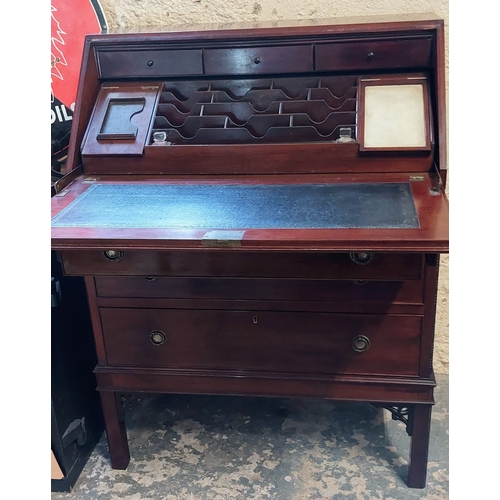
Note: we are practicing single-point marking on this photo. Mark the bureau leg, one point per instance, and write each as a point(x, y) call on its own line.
point(115, 431)
point(421, 426)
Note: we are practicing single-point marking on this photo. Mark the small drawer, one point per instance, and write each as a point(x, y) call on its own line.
point(337, 292)
point(376, 54)
point(258, 60)
point(298, 342)
point(245, 264)
point(149, 63)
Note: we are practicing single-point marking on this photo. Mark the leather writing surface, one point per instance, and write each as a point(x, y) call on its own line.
point(212, 206)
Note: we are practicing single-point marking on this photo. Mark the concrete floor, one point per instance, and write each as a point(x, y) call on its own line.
point(235, 448)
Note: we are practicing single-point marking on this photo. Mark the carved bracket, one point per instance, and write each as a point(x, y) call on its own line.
point(403, 413)
point(125, 400)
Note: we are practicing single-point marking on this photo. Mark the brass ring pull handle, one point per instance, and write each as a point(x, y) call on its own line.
point(360, 343)
point(361, 258)
point(157, 337)
point(113, 255)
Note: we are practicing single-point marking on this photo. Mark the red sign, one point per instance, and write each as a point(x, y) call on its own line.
point(71, 21)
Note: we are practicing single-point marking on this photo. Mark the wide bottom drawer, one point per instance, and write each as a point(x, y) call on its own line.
point(297, 342)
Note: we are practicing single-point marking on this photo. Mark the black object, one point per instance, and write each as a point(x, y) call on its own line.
point(76, 422)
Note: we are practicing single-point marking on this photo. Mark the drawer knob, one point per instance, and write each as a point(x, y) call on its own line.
point(370, 55)
point(113, 254)
point(150, 63)
point(157, 337)
point(360, 343)
point(361, 257)
point(360, 282)
point(257, 60)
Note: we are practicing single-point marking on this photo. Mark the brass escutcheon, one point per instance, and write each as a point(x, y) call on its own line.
point(113, 255)
point(157, 337)
point(361, 258)
point(360, 343)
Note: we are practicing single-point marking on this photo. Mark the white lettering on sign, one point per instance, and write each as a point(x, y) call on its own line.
point(60, 114)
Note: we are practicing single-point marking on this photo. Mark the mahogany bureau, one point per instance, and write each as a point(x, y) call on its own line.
point(260, 211)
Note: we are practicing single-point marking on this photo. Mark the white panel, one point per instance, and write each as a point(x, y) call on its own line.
point(394, 116)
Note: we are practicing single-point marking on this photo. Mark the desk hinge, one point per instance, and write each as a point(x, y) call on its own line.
point(62, 193)
point(89, 180)
point(67, 179)
point(436, 181)
point(222, 239)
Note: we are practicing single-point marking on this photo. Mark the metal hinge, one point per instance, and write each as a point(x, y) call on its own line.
point(222, 239)
point(437, 182)
point(64, 192)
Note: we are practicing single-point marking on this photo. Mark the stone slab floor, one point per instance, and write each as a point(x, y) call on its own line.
point(238, 448)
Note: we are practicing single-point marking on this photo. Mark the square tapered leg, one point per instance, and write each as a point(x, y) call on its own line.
point(115, 431)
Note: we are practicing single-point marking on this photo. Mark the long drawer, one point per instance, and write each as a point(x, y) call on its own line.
point(261, 340)
point(335, 291)
point(247, 264)
point(150, 63)
point(258, 60)
point(373, 54)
